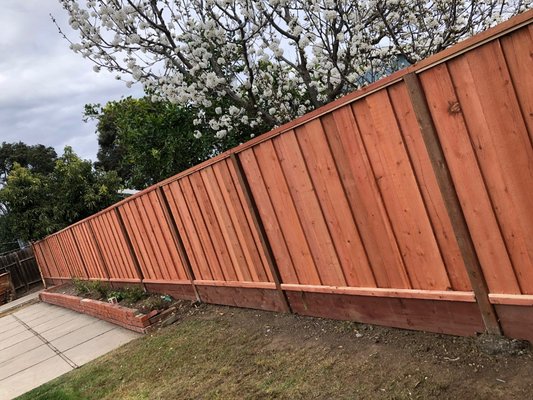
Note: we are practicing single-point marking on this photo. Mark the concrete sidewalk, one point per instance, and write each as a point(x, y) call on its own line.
point(41, 342)
point(20, 302)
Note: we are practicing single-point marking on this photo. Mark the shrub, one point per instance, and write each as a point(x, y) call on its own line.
point(99, 289)
point(133, 294)
point(80, 286)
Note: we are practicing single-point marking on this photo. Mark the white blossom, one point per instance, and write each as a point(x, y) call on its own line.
point(266, 62)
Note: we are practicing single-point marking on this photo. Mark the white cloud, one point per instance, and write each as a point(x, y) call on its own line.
point(43, 84)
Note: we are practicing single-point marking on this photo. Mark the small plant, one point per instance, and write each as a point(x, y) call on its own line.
point(132, 294)
point(99, 289)
point(80, 286)
point(155, 302)
point(117, 294)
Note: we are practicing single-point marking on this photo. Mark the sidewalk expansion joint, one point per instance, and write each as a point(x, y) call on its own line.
point(46, 342)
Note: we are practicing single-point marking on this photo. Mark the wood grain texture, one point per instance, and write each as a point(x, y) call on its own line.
point(503, 149)
point(278, 192)
point(364, 198)
point(468, 181)
point(262, 299)
point(308, 210)
point(268, 217)
point(518, 51)
point(201, 228)
point(334, 204)
point(517, 321)
point(451, 201)
point(342, 211)
point(403, 201)
point(184, 223)
point(429, 188)
point(450, 317)
point(88, 252)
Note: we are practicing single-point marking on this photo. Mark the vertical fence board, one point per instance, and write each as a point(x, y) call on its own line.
point(400, 192)
point(287, 216)
point(444, 180)
point(207, 209)
point(518, 50)
point(244, 231)
point(227, 232)
point(268, 217)
point(503, 149)
point(161, 240)
point(202, 229)
point(337, 213)
point(367, 207)
point(178, 239)
point(135, 226)
point(90, 251)
point(244, 199)
point(191, 241)
point(429, 188)
point(469, 183)
point(309, 211)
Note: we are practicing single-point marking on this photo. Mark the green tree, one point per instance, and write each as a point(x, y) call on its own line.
point(36, 204)
point(79, 190)
point(37, 158)
point(147, 141)
point(24, 198)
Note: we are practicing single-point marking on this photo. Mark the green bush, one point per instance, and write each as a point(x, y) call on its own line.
point(99, 289)
point(80, 286)
point(133, 294)
point(117, 294)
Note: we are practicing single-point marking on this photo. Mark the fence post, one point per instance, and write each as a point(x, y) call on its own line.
point(250, 202)
point(452, 203)
point(177, 239)
point(22, 272)
point(130, 247)
point(38, 266)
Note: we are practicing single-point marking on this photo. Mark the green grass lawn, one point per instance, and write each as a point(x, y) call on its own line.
point(224, 353)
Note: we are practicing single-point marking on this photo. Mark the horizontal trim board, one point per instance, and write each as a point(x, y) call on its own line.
point(511, 299)
point(125, 280)
point(255, 285)
point(166, 282)
point(467, 297)
point(59, 277)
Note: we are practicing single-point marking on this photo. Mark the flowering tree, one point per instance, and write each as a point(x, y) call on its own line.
point(258, 62)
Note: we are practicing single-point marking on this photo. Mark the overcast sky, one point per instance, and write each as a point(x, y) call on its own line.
point(43, 84)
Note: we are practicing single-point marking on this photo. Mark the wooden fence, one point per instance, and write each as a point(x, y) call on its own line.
point(23, 268)
point(407, 203)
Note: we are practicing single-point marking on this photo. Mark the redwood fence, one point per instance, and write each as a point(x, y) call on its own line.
point(408, 203)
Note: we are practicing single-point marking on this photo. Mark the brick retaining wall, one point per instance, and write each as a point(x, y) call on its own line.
point(114, 313)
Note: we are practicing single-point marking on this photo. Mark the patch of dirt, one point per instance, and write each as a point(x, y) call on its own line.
point(401, 363)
